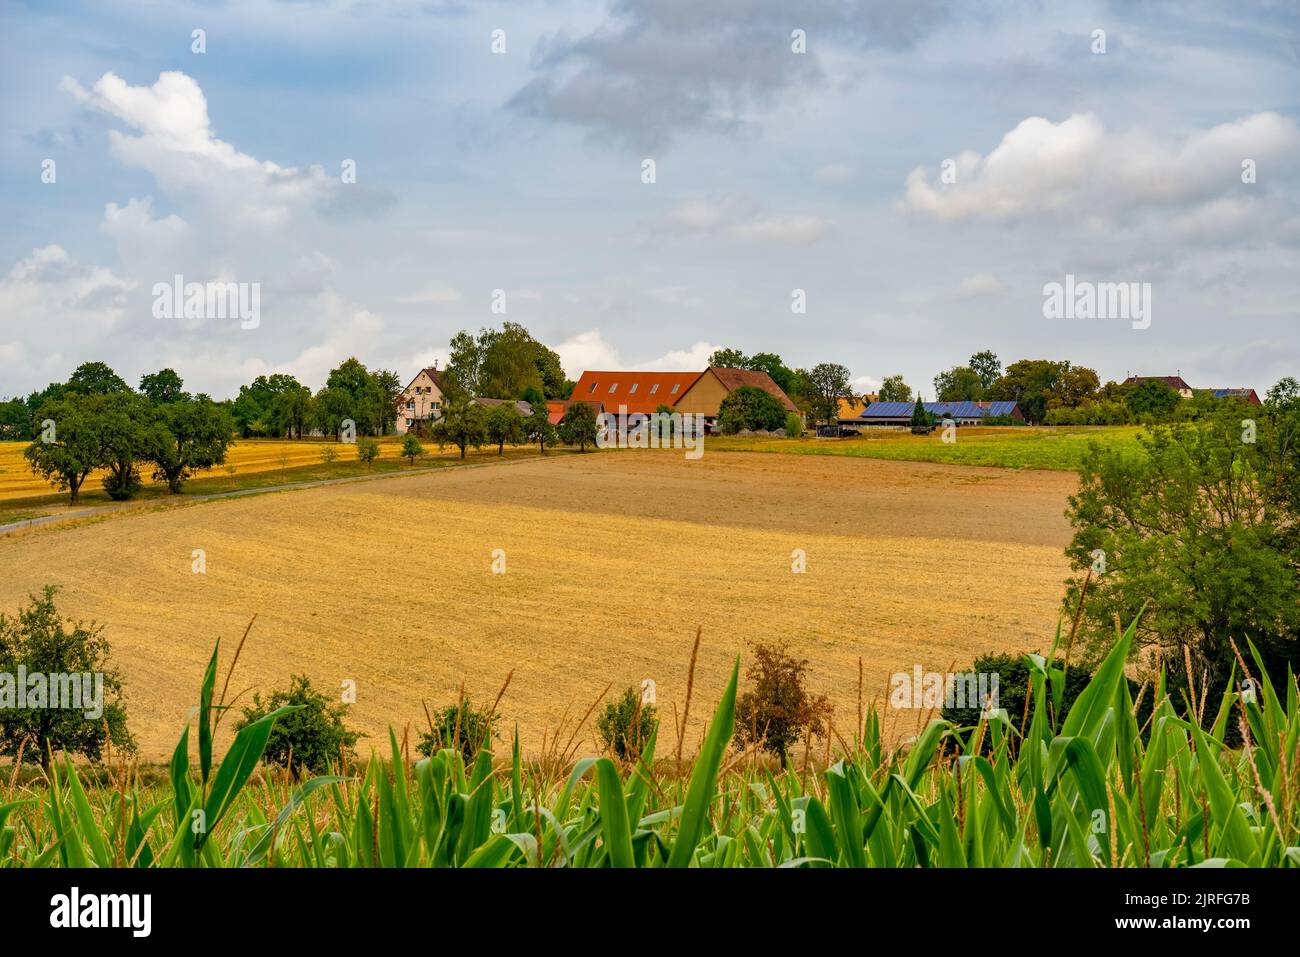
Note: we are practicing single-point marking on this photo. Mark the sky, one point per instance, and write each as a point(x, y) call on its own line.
point(915, 171)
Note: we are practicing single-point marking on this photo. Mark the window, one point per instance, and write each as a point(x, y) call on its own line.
point(654, 388)
point(676, 387)
point(613, 387)
point(632, 391)
point(593, 388)
point(410, 403)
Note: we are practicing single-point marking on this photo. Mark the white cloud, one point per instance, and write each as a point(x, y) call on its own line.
point(436, 293)
point(49, 300)
point(1076, 165)
point(176, 144)
point(587, 350)
point(590, 350)
point(981, 284)
point(788, 230)
point(865, 383)
point(834, 173)
point(696, 214)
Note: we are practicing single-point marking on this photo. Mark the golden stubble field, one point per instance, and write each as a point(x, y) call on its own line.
point(612, 561)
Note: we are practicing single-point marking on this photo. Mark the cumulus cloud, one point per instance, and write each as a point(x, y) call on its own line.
point(49, 300)
point(1077, 166)
point(590, 350)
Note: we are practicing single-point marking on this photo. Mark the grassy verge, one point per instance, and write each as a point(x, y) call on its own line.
point(1051, 447)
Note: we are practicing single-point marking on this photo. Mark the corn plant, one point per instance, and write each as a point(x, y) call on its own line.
point(1090, 790)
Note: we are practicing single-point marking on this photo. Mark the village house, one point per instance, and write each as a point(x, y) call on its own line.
point(420, 400)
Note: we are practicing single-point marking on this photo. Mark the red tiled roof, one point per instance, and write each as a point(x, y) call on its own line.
point(638, 391)
point(733, 379)
point(1174, 382)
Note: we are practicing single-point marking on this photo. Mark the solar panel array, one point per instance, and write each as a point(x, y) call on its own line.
point(956, 410)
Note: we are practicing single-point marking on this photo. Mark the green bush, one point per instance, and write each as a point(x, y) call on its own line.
point(411, 448)
point(122, 484)
point(310, 739)
point(367, 450)
point(626, 724)
point(466, 729)
point(750, 408)
point(793, 426)
point(1013, 673)
point(40, 642)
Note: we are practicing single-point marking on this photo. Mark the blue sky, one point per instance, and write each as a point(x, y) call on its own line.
point(775, 171)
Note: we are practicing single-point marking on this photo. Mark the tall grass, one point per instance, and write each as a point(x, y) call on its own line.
point(1093, 790)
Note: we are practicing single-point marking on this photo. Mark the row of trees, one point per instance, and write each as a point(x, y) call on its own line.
point(467, 424)
point(96, 421)
point(279, 405)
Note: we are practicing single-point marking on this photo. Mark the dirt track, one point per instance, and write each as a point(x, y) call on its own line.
point(612, 561)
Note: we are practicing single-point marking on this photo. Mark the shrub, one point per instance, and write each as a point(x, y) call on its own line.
point(778, 710)
point(367, 451)
point(750, 408)
point(793, 426)
point(328, 454)
point(310, 739)
point(411, 448)
point(465, 728)
point(122, 483)
point(626, 724)
point(42, 643)
point(1014, 686)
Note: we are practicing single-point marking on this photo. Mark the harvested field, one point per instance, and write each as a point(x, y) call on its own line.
point(613, 560)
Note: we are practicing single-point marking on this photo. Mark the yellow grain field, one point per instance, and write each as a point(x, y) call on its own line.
point(612, 560)
point(248, 456)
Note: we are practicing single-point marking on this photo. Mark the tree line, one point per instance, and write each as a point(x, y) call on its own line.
point(96, 421)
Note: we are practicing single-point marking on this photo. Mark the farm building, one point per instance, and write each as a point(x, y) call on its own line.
point(1246, 395)
point(521, 406)
point(420, 400)
point(555, 408)
point(1174, 382)
point(854, 406)
point(963, 413)
point(685, 392)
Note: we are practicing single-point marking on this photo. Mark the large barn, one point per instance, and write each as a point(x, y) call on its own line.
point(699, 393)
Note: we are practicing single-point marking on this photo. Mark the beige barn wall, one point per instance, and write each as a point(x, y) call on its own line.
point(704, 397)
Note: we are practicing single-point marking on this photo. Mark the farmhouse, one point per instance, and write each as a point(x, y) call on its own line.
point(420, 400)
point(1174, 382)
point(1185, 391)
point(699, 393)
point(963, 413)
